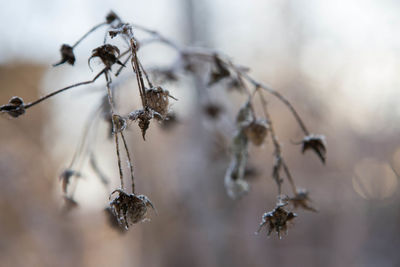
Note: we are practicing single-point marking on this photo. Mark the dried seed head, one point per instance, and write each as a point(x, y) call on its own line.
point(157, 100)
point(119, 123)
point(256, 131)
point(67, 55)
point(219, 72)
point(129, 208)
point(316, 143)
point(302, 200)
point(108, 55)
point(111, 17)
point(277, 220)
point(14, 108)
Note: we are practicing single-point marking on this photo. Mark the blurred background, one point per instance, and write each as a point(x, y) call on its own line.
point(336, 61)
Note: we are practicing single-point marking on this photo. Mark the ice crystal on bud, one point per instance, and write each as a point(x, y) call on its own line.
point(14, 108)
point(277, 219)
point(130, 208)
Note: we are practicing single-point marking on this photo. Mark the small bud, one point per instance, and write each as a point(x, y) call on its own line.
point(67, 55)
point(14, 108)
point(317, 144)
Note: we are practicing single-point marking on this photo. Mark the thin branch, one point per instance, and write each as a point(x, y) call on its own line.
point(110, 101)
point(64, 89)
point(89, 32)
point(130, 162)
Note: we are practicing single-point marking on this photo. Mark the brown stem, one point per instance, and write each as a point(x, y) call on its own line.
point(89, 32)
point(64, 89)
point(130, 162)
point(110, 101)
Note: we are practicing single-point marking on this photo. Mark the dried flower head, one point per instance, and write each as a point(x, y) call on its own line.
point(316, 143)
point(277, 220)
point(256, 131)
point(129, 208)
point(67, 55)
point(14, 108)
point(108, 55)
point(158, 100)
point(302, 200)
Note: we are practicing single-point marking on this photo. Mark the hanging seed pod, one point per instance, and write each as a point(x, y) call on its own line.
point(67, 55)
point(316, 143)
point(256, 131)
point(277, 220)
point(130, 208)
point(158, 100)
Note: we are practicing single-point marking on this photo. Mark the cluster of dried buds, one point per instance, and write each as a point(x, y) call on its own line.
point(129, 208)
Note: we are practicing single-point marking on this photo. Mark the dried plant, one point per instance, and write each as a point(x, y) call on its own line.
point(130, 208)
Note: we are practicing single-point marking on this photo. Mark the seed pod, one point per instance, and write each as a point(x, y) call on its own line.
point(14, 108)
point(157, 100)
point(67, 55)
point(130, 208)
point(256, 131)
